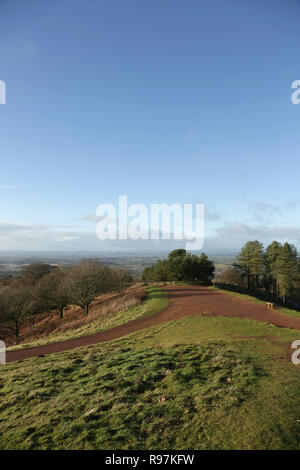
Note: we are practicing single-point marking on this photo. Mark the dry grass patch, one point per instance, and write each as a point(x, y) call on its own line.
point(49, 323)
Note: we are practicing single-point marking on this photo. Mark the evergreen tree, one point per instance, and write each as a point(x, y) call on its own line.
point(181, 266)
point(286, 269)
point(250, 262)
point(271, 255)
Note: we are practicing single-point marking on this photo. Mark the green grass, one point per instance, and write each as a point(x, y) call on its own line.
point(196, 383)
point(156, 300)
point(250, 298)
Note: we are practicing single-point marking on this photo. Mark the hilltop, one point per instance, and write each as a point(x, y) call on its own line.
point(193, 382)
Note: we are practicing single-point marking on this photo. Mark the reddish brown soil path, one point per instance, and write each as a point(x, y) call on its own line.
point(184, 301)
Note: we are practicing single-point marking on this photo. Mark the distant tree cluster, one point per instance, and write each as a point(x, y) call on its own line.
point(181, 266)
point(43, 288)
point(274, 270)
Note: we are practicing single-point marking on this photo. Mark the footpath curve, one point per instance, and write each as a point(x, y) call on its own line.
point(183, 301)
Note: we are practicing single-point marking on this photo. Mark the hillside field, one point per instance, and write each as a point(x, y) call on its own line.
point(193, 383)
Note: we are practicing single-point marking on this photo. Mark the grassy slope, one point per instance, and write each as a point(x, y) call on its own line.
point(202, 383)
point(156, 301)
point(250, 298)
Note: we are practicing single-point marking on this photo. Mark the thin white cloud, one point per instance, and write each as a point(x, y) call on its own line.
point(228, 237)
point(93, 218)
point(232, 236)
point(292, 205)
point(211, 216)
point(264, 212)
point(24, 236)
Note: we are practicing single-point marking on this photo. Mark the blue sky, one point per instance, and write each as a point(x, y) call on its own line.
point(160, 100)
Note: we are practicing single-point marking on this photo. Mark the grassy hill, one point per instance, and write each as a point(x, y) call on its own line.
point(196, 383)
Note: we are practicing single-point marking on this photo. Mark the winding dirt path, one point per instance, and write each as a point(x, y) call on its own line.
point(184, 301)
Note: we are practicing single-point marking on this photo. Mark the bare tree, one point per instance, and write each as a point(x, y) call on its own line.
point(52, 291)
point(121, 279)
point(86, 281)
point(15, 303)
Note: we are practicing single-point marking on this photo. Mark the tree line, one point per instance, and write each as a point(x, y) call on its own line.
point(42, 287)
point(181, 266)
point(274, 270)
